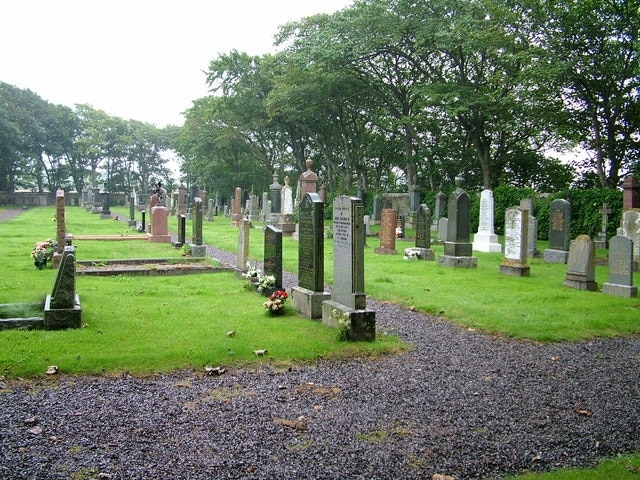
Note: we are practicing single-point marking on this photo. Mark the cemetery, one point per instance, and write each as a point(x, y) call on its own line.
point(408, 298)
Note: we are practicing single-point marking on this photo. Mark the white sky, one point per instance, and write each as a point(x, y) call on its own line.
point(135, 59)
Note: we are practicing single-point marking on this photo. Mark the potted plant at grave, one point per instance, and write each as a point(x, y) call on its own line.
point(42, 253)
point(275, 304)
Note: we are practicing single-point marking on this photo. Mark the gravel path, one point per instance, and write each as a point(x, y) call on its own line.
point(460, 403)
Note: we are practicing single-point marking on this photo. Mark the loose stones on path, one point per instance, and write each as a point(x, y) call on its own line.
point(348, 305)
point(581, 265)
point(620, 268)
point(308, 296)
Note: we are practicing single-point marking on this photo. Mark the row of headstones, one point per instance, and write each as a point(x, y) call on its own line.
point(579, 254)
point(345, 306)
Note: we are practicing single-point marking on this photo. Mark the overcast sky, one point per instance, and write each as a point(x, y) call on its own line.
point(135, 59)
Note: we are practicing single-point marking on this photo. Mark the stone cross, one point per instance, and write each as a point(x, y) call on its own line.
point(605, 211)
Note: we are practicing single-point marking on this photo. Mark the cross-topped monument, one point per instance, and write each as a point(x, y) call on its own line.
point(601, 239)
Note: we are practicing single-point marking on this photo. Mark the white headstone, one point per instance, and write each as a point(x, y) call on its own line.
point(486, 240)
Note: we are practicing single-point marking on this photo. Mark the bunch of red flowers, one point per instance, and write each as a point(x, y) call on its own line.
point(276, 301)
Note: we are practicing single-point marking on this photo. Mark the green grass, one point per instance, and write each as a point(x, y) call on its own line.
point(148, 324)
point(622, 467)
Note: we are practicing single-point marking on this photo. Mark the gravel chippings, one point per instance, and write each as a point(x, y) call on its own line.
point(459, 403)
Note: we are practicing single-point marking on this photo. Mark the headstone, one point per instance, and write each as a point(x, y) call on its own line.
point(286, 223)
point(182, 201)
point(132, 211)
point(106, 209)
point(620, 268)
point(197, 247)
point(422, 249)
point(182, 226)
point(348, 302)
point(443, 228)
point(244, 227)
point(323, 192)
point(61, 228)
point(415, 198)
point(559, 222)
point(210, 210)
point(276, 200)
point(308, 296)
point(631, 229)
point(514, 262)
point(273, 253)
point(143, 214)
point(441, 199)
point(62, 308)
point(601, 239)
point(159, 225)
point(532, 228)
point(485, 240)
point(400, 226)
point(377, 209)
point(266, 210)
point(236, 215)
point(581, 265)
point(367, 225)
point(630, 193)
point(308, 180)
point(458, 248)
point(97, 200)
point(387, 233)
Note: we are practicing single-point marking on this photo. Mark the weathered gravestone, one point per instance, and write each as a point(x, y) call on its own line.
point(441, 201)
point(308, 295)
point(236, 214)
point(62, 308)
point(348, 304)
point(286, 223)
point(422, 249)
point(197, 247)
point(182, 200)
point(631, 229)
point(559, 222)
point(273, 254)
point(443, 227)
point(377, 209)
point(514, 262)
point(244, 227)
point(485, 240)
point(532, 228)
point(581, 264)
point(458, 248)
point(182, 227)
point(132, 211)
point(61, 228)
point(620, 268)
point(105, 213)
point(601, 239)
point(276, 200)
point(387, 232)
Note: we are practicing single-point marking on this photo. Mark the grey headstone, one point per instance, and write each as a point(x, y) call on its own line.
point(621, 260)
point(559, 222)
point(273, 253)
point(64, 289)
point(443, 228)
point(197, 222)
point(311, 243)
point(244, 227)
point(581, 264)
point(631, 229)
point(423, 227)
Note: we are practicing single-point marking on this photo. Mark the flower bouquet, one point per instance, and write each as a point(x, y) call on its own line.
point(275, 304)
point(42, 253)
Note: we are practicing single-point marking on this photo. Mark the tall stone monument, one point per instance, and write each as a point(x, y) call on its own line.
point(159, 216)
point(630, 193)
point(559, 222)
point(286, 223)
point(458, 248)
point(307, 297)
point(485, 240)
point(348, 304)
point(276, 200)
point(198, 249)
point(236, 214)
point(514, 262)
point(308, 180)
point(61, 229)
point(244, 227)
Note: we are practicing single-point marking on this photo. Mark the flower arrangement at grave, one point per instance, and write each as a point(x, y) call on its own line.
point(252, 272)
point(344, 325)
point(276, 302)
point(42, 253)
point(266, 283)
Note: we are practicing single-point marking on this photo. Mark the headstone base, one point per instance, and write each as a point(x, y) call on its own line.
point(458, 249)
point(132, 223)
point(61, 318)
point(486, 242)
point(27, 323)
point(555, 256)
point(515, 270)
point(307, 302)
point(362, 323)
point(159, 238)
point(106, 216)
point(417, 253)
point(385, 251)
point(458, 262)
point(177, 244)
point(624, 291)
point(580, 283)
point(198, 251)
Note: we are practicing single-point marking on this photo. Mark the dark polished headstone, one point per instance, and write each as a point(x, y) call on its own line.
point(273, 253)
